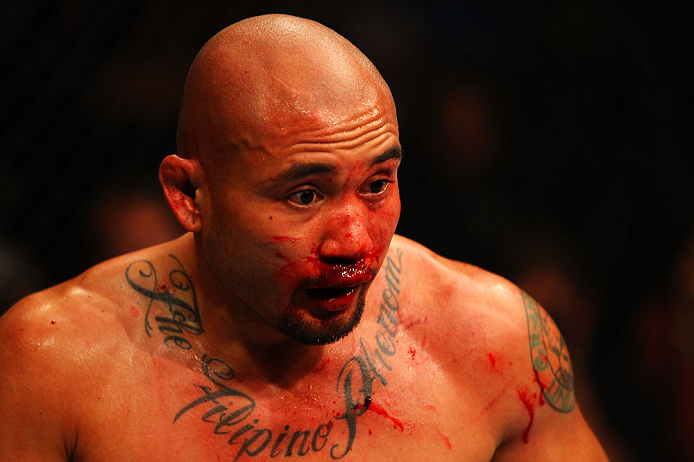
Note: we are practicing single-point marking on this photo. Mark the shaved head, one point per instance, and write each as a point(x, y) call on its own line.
point(264, 77)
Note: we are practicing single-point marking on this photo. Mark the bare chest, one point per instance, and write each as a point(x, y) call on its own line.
point(381, 398)
point(368, 406)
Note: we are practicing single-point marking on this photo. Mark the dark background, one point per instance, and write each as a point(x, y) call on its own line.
point(549, 143)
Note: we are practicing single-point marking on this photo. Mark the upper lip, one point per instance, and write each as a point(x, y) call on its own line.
point(341, 277)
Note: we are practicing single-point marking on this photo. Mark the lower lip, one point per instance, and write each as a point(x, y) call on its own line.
point(340, 302)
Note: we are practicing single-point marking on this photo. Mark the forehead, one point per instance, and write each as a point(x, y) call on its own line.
point(318, 136)
point(323, 138)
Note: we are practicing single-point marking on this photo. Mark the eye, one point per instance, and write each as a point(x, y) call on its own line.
point(304, 197)
point(376, 188)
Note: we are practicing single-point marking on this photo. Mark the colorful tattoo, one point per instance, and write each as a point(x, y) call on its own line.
point(550, 357)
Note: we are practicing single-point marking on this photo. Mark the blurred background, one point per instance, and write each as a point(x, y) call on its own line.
point(549, 143)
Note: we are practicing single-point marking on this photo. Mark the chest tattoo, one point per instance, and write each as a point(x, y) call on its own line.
point(229, 412)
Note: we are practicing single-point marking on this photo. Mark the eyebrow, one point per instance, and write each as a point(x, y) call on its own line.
point(299, 171)
point(392, 153)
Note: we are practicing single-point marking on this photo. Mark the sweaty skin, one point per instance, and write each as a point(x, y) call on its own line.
point(289, 321)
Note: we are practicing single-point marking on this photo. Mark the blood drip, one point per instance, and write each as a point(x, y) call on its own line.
point(380, 411)
point(523, 395)
point(492, 359)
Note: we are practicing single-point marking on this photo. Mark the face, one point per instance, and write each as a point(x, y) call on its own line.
point(299, 225)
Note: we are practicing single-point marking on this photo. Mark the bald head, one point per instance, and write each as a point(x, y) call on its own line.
point(263, 77)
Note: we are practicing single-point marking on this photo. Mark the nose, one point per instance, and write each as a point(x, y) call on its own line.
point(346, 239)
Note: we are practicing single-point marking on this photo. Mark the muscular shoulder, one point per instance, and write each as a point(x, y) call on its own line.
point(58, 319)
point(61, 333)
point(477, 317)
point(461, 294)
point(78, 326)
point(98, 305)
point(84, 324)
point(88, 307)
point(53, 346)
point(502, 349)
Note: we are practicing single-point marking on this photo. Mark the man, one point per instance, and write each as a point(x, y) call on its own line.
point(289, 322)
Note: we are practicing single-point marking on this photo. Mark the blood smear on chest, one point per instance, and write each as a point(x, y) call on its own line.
point(447, 440)
point(528, 403)
point(374, 407)
point(492, 360)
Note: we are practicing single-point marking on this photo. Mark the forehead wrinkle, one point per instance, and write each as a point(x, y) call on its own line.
point(322, 145)
point(341, 137)
point(329, 124)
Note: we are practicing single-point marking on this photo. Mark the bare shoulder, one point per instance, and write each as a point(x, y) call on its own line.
point(466, 316)
point(462, 293)
point(56, 348)
point(48, 348)
point(68, 325)
point(83, 324)
point(502, 349)
point(84, 312)
point(59, 318)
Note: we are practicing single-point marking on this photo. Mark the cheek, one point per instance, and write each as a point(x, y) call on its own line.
point(239, 242)
point(290, 246)
point(382, 224)
point(294, 262)
point(385, 219)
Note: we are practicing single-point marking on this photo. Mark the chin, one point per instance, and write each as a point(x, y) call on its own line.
point(311, 330)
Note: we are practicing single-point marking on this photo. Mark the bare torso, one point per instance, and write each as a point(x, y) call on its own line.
point(115, 365)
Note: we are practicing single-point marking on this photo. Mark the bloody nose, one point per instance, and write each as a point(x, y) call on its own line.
point(346, 239)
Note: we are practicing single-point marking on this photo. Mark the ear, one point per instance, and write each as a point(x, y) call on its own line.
point(180, 178)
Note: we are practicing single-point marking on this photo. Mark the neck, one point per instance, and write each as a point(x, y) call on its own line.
point(235, 333)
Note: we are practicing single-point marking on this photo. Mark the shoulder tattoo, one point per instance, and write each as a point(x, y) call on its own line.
point(550, 357)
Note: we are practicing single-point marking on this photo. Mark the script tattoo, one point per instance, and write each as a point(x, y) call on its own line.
point(360, 371)
point(231, 410)
point(180, 313)
point(550, 357)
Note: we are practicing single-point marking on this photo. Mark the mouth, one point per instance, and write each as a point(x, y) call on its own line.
point(330, 293)
point(335, 291)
